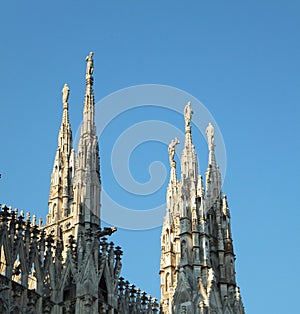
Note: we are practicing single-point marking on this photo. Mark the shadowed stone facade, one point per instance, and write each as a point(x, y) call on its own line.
point(68, 265)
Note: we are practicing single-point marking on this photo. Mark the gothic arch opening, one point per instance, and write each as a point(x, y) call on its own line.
point(103, 293)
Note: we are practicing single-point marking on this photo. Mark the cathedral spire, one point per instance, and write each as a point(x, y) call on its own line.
point(65, 133)
point(170, 241)
point(89, 102)
point(172, 192)
point(61, 177)
point(189, 164)
point(213, 176)
point(171, 151)
point(87, 184)
point(210, 133)
point(74, 201)
point(197, 260)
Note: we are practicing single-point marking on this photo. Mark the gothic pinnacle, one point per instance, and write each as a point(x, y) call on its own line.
point(87, 172)
point(189, 163)
point(171, 151)
point(210, 133)
point(197, 258)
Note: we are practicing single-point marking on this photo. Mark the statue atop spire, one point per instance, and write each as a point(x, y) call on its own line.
point(65, 95)
point(171, 151)
point(210, 133)
point(89, 65)
point(188, 112)
point(87, 171)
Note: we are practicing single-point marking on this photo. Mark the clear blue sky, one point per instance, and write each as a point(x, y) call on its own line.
point(239, 58)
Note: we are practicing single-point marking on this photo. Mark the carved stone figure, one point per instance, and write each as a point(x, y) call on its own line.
point(188, 112)
point(171, 151)
point(89, 65)
point(210, 133)
point(65, 93)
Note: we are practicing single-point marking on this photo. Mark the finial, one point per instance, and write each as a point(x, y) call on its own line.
point(89, 65)
point(188, 112)
point(171, 151)
point(65, 95)
point(210, 133)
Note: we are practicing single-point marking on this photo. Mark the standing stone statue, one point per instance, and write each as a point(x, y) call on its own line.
point(65, 94)
point(89, 65)
point(188, 112)
point(210, 133)
point(171, 151)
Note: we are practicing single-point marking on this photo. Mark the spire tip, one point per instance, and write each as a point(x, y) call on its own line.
point(65, 95)
point(188, 112)
point(89, 65)
point(171, 151)
point(210, 133)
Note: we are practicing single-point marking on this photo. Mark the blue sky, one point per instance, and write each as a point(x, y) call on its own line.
point(239, 58)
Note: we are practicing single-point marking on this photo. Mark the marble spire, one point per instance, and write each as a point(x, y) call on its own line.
point(60, 197)
point(87, 184)
point(189, 164)
point(213, 176)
